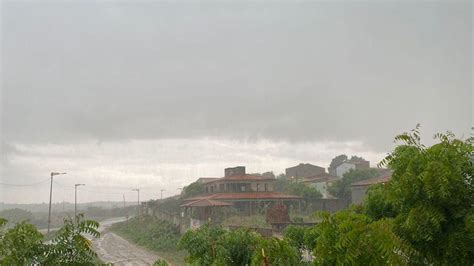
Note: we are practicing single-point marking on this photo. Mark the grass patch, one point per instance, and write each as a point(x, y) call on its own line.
point(247, 221)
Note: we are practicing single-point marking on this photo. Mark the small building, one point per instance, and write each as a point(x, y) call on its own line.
point(304, 170)
point(345, 167)
point(321, 182)
point(359, 189)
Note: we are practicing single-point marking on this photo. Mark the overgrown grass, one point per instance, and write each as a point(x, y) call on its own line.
point(257, 220)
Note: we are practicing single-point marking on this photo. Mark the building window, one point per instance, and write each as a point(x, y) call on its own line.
point(212, 189)
point(207, 189)
point(258, 187)
point(242, 188)
point(266, 188)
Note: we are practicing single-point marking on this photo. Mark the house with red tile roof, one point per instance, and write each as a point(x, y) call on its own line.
point(246, 193)
point(321, 182)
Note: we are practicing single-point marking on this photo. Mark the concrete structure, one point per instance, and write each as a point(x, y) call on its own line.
point(359, 189)
point(321, 183)
point(303, 170)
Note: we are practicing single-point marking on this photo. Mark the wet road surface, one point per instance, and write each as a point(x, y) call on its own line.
point(112, 248)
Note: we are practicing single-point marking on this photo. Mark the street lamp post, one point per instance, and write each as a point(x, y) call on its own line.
point(138, 201)
point(75, 198)
point(51, 197)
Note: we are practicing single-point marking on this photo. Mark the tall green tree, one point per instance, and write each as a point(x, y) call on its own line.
point(431, 195)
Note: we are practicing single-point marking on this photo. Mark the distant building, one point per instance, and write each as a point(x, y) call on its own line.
point(246, 193)
point(359, 189)
point(321, 182)
point(346, 166)
point(304, 170)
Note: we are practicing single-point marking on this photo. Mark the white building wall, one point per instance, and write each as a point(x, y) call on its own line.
point(344, 168)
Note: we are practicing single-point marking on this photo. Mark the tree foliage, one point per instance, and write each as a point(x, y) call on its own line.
point(210, 245)
point(431, 194)
point(150, 232)
point(192, 190)
point(338, 160)
point(23, 244)
point(70, 245)
point(349, 238)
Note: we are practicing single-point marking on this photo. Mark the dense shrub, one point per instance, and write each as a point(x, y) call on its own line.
point(215, 246)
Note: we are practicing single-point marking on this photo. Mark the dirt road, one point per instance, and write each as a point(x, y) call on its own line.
point(112, 248)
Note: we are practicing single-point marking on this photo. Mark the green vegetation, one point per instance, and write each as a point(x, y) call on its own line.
point(216, 246)
point(24, 245)
point(193, 189)
point(150, 232)
point(257, 220)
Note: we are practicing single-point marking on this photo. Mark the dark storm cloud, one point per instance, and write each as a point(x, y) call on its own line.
point(293, 72)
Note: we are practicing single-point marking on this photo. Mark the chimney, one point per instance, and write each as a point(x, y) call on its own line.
point(238, 170)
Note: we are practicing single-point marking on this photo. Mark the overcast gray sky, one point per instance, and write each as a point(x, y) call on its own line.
point(156, 94)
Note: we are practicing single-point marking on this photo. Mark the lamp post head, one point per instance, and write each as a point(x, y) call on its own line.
point(57, 173)
point(76, 185)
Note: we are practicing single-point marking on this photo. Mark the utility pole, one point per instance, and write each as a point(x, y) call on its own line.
point(51, 197)
point(138, 201)
point(75, 198)
point(161, 196)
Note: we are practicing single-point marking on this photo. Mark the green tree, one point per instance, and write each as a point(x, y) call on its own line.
point(70, 246)
point(201, 244)
point(274, 251)
point(21, 245)
point(338, 160)
point(376, 204)
point(349, 238)
point(236, 247)
point(192, 190)
point(431, 194)
point(342, 188)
